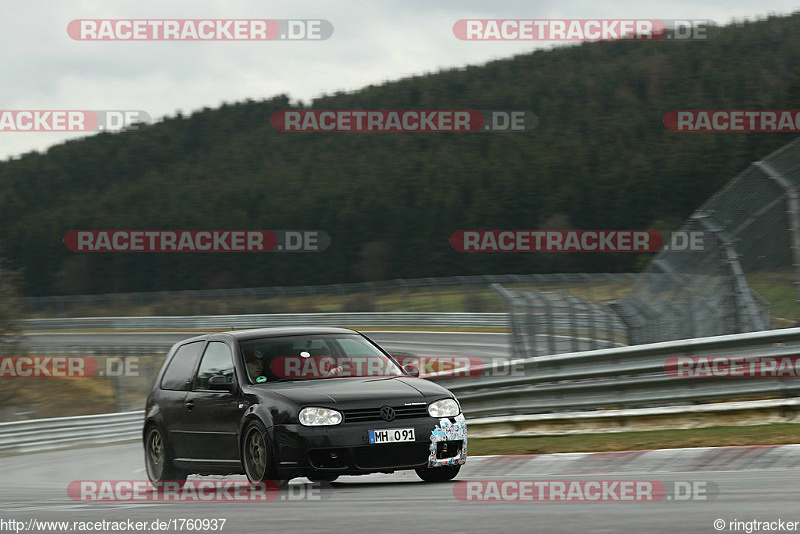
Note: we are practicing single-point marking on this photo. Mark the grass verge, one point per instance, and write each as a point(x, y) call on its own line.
point(775, 434)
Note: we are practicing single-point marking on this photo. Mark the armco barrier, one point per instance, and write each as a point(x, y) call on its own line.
point(229, 322)
point(62, 432)
point(624, 377)
point(736, 413)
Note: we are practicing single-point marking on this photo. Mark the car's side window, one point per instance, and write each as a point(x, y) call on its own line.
point(356, 347)
point(178, 376)
point(217, 360)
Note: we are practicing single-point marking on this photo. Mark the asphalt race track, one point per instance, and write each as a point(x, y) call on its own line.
point(758, 483)
point(754, 483)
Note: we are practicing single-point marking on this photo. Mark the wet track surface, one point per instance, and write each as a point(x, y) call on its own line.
point(754, 483)
point(763, 488)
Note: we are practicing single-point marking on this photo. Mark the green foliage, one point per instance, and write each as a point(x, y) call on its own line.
point(359, 302)
point(600, 158)
point(9, 308)
point(10, 334)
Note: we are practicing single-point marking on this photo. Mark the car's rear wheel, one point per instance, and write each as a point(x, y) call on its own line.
point(158, 461)
point(259, 462)
point(438, 474)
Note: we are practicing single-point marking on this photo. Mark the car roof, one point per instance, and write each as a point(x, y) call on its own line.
point(253, 333)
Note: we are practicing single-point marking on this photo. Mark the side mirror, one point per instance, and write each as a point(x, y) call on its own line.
point(412, 369)
point(219, 383)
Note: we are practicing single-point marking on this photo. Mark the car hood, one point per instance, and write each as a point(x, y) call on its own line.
point(361, 391)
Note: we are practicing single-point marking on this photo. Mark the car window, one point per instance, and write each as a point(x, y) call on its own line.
point(314, 356)
point(356, 346)
point(217, 360)
point(178, 375)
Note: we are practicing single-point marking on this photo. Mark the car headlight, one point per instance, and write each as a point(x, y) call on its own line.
point(444, 408)
point(319, 417)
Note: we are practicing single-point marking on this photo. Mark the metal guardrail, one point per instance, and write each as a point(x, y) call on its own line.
point(560, 321)
point(624, 377)
point(735, 413)
point(229, 322)
point(61, 432)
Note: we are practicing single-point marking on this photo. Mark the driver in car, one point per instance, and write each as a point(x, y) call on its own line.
point(255, 364)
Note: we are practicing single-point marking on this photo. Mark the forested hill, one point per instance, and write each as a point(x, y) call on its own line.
point(600, 158)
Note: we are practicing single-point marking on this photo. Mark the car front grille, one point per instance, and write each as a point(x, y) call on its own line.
point(374, 414)
point(391, 455)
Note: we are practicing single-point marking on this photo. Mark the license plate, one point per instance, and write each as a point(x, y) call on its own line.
point(391, 435)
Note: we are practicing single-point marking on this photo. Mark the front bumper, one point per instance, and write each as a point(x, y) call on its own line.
point(344, 449)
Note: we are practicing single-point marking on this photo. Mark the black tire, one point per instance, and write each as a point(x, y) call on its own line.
point(158, 461)
point(323, 478)
point(257, 456)
point(438, 474)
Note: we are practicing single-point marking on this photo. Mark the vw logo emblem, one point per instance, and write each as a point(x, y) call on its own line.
point(387, 413)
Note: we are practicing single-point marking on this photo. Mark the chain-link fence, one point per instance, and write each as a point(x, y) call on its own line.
point(742, 275)
point(745, 277)
point(554, 317)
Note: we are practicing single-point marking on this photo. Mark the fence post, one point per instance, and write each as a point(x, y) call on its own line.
point(548, 313)
point(746, 315)
point(531, 324)
point(793, 214)
point(574, 331)
point(517, 343)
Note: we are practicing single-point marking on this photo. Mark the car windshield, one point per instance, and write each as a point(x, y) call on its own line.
point(314, 357)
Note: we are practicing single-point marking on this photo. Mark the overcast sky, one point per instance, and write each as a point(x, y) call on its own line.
point(373, 42)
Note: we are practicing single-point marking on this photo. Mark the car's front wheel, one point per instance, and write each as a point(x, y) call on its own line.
point(438, 474)
point(158, 462)
point(259, 463)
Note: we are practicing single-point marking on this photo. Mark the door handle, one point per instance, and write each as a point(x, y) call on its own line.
point(189, 404)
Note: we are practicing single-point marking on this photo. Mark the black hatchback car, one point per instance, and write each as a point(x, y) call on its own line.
point(279, 403)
